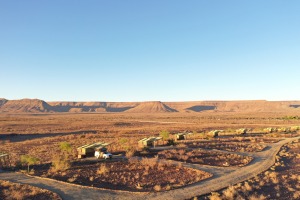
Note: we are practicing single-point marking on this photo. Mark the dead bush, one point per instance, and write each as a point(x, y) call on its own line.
point(215, 196)
point(149, 162)
point(130, 153)
point(103, 170)
point(229, 193)
point(157, 188)
point(257, 197)
point(247, 186)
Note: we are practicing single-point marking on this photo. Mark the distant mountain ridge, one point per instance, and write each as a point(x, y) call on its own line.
point(151, 107)
point(40, 106)
point(25, 105)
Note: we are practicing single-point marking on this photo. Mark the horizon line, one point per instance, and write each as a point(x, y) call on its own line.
point(146, 100)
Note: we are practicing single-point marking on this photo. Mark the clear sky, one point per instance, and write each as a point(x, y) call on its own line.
point(168, 50)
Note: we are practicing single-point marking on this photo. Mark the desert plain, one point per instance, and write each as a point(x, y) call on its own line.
point(215, 160)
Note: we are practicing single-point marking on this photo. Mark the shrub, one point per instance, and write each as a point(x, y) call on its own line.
point(296, 195)
point(157, 188)
point(230, 192)
point(215, 196)
point(103, 169)
point(72, 179)
point(124, 143)
point(247, 186)
point(28, 160)
point(150, 162)
point(130, 153)
point(60, 164)
point(65, 147)
point(165, 135)
point(256, 197)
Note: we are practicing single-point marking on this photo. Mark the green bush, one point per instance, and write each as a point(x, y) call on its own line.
point(28, 160)
point(165, 135)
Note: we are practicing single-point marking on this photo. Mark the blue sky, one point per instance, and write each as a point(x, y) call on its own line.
point(150, 50)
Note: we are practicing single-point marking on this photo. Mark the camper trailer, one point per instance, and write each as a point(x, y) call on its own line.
point(149, 142)
point(89, 150)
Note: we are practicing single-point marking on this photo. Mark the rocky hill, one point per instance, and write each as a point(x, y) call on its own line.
point(40, 106)
point(151, 107)
point(2, 101)
point(25, 105)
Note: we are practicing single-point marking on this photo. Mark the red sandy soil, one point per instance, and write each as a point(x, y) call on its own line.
point(147, 175)
point(228, 146)
point(204, 157)
point(11, 191)
point(282, 181)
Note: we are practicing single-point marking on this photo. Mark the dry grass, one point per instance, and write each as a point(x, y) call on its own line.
point(15, 191)
point(127, 123)
point(42, 133)
point(103, 170)
point(228, 146)
point(60, 164)
point(205, 157)
point(279, 182)
point(135, 175)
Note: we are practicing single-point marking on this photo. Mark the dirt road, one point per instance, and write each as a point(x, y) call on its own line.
point(222, 178)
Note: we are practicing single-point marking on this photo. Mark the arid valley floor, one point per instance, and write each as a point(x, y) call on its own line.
point(260, 163)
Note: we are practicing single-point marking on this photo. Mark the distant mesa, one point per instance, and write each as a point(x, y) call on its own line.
point(151, 107)
point(25, 105)
point(40, 106)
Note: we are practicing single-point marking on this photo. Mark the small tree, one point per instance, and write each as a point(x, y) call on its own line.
point(124, 143)
point(28, 160)
point(65, 147)
point(165, 135)
point(62, 161)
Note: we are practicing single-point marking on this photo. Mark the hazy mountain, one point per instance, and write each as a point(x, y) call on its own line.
point(40, 106)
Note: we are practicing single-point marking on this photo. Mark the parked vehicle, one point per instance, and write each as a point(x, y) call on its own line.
point(103, 154)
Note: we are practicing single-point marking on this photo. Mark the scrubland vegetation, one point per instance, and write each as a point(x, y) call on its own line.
point(229, 146)
point(15, 191)
point(147, 174)
point(45, 145)
point(199, 156)
point(282, 181)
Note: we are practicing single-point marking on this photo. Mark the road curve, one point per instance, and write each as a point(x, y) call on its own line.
point(223, 177)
